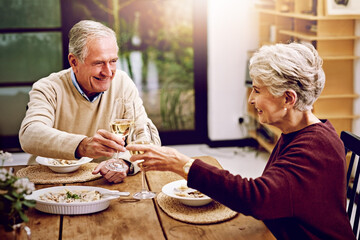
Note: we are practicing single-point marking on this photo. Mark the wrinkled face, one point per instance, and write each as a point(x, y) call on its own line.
point(270, 109)
point(98, 69)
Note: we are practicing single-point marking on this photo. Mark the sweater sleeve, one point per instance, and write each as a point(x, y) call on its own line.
point(263, 197)
point(37, 135)
point(303, 170)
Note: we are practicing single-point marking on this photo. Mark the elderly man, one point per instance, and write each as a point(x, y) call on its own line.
point(69, 111)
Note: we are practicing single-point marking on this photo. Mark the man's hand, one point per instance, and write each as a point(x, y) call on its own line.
point(111, 176)
point(102, 144)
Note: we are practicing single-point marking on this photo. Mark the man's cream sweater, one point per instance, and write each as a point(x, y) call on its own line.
point(58, 117)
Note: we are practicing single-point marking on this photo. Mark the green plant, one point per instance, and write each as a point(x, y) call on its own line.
point(162, 31)
point(177, 86)
point(12, 195)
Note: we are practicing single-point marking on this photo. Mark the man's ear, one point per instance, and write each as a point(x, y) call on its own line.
point(290, 97)
point(73, 61)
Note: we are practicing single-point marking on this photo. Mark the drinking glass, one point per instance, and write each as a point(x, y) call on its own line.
point(141, 134)
point(122, 118)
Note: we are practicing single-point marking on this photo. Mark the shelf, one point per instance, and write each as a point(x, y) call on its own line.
point(339, 96)
point(290, 15)
point(273, 129)
point(326, 58)
point(334, 37)
point(325, 116)
point(307, 16)
point(265, 4)
point(268, 146)
point(310, 37)
point(340, 57)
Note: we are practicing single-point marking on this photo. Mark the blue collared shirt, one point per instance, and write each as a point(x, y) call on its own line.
point(77, 86)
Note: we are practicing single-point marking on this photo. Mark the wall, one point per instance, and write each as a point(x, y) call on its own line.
point(232, 31)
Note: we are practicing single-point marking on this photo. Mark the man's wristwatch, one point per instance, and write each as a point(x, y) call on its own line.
point(186, 167)
point(131, 168)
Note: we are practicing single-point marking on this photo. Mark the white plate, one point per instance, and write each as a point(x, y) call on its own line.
point(76, 207)
point(169, 190)
point(62, 168)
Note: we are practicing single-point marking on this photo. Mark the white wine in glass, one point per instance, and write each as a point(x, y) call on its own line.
point(139, 142)
point(122, 118)
point(121, 126)
point(141, 134)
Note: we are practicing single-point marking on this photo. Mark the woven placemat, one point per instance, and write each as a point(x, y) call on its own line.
point(213, 212)
point(40, 174)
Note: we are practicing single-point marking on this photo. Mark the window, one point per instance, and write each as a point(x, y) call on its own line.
point(31, 48)
point(162, 47)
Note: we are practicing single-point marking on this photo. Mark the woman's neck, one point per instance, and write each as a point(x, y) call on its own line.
point(296, 120)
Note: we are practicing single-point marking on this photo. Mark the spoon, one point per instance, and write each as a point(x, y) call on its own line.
point(115, 193)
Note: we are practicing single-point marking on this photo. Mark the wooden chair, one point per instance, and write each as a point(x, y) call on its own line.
point(352, 144)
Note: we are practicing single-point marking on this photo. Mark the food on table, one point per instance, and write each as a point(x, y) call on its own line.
point(66, 196)
point(61, 162)
point(185, 191)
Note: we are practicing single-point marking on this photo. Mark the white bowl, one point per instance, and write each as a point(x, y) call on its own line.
point(170, 190)
point(62, 168)
point(75, 207)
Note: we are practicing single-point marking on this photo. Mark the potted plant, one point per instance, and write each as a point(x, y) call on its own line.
point(13, 190)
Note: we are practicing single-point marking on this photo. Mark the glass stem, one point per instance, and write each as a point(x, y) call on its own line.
point(143, 181)
point(117, 157)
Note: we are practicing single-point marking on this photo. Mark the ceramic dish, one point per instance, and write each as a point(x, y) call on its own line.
point(74, 208)
point(173, 190)
point(62, 168)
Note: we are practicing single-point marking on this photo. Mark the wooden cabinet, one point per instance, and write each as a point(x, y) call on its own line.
point(334, 38)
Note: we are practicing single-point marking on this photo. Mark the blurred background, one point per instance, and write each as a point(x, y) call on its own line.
point(171, 49)
point(188, 59)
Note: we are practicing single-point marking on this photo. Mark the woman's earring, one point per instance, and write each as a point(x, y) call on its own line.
point(285, 109)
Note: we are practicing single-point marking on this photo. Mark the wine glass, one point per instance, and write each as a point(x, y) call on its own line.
point(141, 134)
point(122, 118)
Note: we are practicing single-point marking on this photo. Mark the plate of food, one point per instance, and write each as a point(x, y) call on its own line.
point(73, 200)
point(62, 165)
point(188, 196)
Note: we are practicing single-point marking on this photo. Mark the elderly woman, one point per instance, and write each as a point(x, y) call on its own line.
point(301, 193)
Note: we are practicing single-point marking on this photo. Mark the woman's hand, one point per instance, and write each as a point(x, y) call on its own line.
point(159, 158)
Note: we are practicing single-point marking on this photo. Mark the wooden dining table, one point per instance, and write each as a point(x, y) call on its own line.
point(128, 218)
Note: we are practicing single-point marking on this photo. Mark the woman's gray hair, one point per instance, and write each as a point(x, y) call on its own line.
point(295, 66)
point(84, 31)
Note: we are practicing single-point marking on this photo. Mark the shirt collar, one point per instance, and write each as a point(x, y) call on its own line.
point(77, 86)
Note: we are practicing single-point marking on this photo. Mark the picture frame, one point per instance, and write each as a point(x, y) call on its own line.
point(343, 7)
